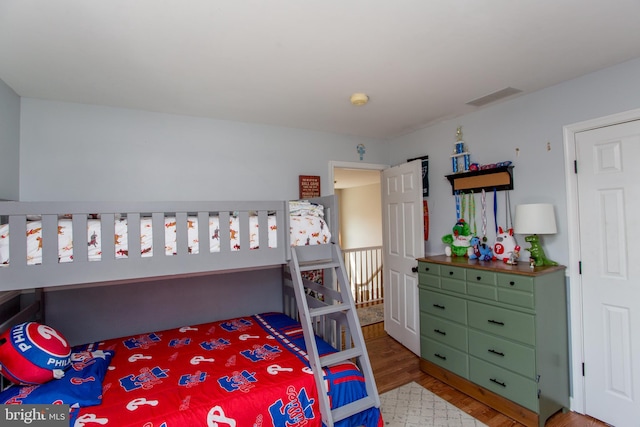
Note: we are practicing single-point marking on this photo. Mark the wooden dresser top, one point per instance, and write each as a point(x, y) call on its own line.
point(497, 266)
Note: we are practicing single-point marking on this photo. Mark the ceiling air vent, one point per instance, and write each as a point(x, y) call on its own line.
point(487, 99)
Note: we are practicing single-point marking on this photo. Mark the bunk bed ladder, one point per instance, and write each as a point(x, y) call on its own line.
point(339, 306)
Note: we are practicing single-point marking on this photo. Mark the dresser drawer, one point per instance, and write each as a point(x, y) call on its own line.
point(458, 273)
point(500, 321)
point(458, 286)
point(513, 297)
point(447, 357)
point(506, 354)
point(444, 306)
point(523, 391)
point(482, 291)
point(481, 276)
point(516, 290)
point(444, 331)
point(428, 280)
point(428, 268)
point(516, 282)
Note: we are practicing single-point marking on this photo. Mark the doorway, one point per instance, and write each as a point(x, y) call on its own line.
point(357, 188)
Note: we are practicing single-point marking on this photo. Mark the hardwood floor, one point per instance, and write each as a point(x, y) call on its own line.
point(394, 365)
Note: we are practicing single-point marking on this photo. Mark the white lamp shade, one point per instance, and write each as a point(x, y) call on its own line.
point(536, 218)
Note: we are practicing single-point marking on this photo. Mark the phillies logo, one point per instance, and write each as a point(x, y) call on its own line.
point(190, 380)
point(41, 344)
point(22, 393)
point(264, 352)
point(179, 342)
point(216, 344)
point(238, 381)
point(82, 359)
point(236, 325)
point(143, 341)
point(296, 412)
point(146, 380)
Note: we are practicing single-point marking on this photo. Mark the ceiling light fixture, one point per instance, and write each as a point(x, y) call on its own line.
point(359, 99)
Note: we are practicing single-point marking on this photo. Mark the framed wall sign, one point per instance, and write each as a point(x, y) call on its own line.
point(309, 186)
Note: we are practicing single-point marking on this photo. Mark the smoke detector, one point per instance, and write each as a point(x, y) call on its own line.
point(359, 99)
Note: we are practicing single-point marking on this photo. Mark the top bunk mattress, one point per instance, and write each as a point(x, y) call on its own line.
point(306, 229)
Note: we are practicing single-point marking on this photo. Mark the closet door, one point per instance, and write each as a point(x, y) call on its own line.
point(609, 202)
point(403, 243)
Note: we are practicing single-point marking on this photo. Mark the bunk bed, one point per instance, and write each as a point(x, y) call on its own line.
point(180, 240)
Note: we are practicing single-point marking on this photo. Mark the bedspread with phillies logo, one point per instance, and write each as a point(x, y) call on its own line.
point(249, 371)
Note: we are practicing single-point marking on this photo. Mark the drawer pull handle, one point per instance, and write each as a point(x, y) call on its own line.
point(441, 307)
point(493, 380)
point(478, 278)
point(438, 331)
point(512, 283)
point(496, 352)
point(495, 322)
point(451, 273)
point(439, 356)
point(426, 269)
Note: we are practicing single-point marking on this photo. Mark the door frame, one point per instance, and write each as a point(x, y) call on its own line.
point(351, 165)
point(577, 331)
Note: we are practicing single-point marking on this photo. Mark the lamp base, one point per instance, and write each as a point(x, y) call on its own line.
point(537, 253)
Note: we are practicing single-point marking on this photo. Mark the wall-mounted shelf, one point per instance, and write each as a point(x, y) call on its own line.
point(500, 178)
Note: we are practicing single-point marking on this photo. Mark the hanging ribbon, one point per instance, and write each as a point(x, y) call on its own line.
point(464, 207)
point(472, 213)
point(495, 209)
point(508, 219)
point(457, 198)
point(483, 204)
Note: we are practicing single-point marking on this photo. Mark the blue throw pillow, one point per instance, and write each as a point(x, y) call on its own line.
point(81, 385)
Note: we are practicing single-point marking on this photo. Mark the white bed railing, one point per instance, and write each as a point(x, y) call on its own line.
point(18, 274)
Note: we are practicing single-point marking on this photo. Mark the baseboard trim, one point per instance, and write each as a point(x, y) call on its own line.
point(489, 398)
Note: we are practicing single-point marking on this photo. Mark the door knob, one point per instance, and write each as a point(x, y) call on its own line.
point(414, 269)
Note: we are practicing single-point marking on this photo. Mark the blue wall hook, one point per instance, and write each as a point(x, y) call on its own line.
point(361, 150)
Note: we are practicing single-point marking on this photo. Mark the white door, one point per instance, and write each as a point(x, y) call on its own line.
point(402, 242)
point(609, 210)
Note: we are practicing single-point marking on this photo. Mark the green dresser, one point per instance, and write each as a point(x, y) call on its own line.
point(500, 327)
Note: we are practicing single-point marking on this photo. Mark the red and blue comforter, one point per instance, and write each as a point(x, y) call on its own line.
point(249, 371)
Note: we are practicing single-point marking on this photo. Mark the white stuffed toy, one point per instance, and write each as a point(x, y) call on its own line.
point(505, 247)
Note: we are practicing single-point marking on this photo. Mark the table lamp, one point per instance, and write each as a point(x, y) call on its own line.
point(535, 219)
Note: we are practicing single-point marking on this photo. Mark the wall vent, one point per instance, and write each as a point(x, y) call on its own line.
point(487, 99)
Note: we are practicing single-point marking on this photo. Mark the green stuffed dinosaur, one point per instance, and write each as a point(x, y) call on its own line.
point(459, 242)
point(537, 253)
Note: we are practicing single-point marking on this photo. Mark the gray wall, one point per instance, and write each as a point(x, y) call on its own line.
point(9, 143)
point(528, 123)
point(119, 310)
point(117, 154)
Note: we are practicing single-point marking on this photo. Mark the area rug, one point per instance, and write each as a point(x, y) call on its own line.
point(371, 314)
point(412, 405)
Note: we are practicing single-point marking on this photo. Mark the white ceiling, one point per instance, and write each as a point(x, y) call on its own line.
point(295, 63)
